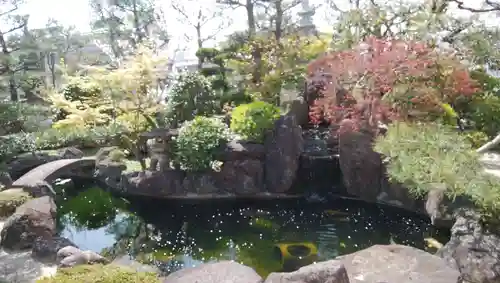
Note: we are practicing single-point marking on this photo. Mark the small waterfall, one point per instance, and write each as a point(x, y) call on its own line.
point(319, 164)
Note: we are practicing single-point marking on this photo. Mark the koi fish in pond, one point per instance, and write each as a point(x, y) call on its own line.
point(433, 243)
point(336, 212)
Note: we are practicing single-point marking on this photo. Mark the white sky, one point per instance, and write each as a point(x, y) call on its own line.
point(77, 13)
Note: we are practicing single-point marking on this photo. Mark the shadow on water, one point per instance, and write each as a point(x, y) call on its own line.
point(279, 235)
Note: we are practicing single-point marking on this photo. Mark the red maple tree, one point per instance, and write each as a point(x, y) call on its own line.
point(381, 80)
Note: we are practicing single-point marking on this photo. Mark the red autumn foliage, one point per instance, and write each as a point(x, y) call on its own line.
point(381, 80)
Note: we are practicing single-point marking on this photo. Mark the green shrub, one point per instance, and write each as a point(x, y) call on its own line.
point(81, 89)
point(477, 139)
point(191, 95)
point(198, 141)
point(16, 117)
point(423, 155)
point(12, 145)
point(251, 121)
point(484, 112)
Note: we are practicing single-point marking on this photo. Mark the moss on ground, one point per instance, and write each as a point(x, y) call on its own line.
point(10, 200)
point(100, 274)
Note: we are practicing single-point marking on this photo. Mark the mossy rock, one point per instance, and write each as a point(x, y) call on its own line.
point(10, 200)
point(100, 274)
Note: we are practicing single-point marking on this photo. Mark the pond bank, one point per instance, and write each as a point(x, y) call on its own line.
point(21, 267)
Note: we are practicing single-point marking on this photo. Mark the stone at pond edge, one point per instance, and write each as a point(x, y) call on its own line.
point(5, 181)
point(70, 153)
point(284, 145)
point(33, 219)
point(441, 209)
point(153, 184)
point(10, 200)
point(364, 174)
point(110, 172)
point(332, 271)
point(397, 263)
point(45, 249)
point(220, 272)
point(70, 256)
point(241, 150)
point(473, 250)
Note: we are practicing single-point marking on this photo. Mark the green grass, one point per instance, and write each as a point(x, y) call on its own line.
point(100, 274)
point(10, 200)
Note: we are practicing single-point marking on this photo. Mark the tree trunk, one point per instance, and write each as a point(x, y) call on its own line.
point(12, 81)
point(200, 43)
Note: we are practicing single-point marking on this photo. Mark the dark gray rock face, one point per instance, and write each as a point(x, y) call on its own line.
point(284, 145)
point(70, 153)
point(33, 219)
point(364, 174)
point(332, 271)
point(441, 209)
point(472, 249)
point(45, 249)
point(220, 272)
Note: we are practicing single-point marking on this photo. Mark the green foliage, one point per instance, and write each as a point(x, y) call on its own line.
point(198, 141)
point(82, 89)
point(191, 95)
point(16, 117)
point(483, 109)
point(282, 64)
point(117, 155)
point(421, 156)
point(100, 274)
point(15, 144)
point(477, 139)
point(252, 121)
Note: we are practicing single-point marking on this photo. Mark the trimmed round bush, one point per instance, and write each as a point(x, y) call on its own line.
point(191, 95)
point(198, 141)
point(251, 121)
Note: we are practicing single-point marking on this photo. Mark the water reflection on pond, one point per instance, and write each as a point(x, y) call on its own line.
point(267, 235)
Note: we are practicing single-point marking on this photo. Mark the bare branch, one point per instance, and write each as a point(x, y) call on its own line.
point(493, 6)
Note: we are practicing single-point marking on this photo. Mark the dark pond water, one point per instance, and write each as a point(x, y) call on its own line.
point(267, 235)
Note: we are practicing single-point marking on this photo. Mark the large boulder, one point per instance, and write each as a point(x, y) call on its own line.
point(70, 153)
point(242, 177)
point(45, 249)
point(441, 209)
point(396, 263)
point(153, 184)
point(220, 272)
point(33, 219)
point(284, 145)
point(364, 173)
point(332, 271)
point(5, 180)
point(472, 249)
point(70, 256)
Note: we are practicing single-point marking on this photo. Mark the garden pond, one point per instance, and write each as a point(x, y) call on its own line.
point(278, 235)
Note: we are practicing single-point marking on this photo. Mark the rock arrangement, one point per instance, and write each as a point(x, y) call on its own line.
point(249, 169)
point(392, 263)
